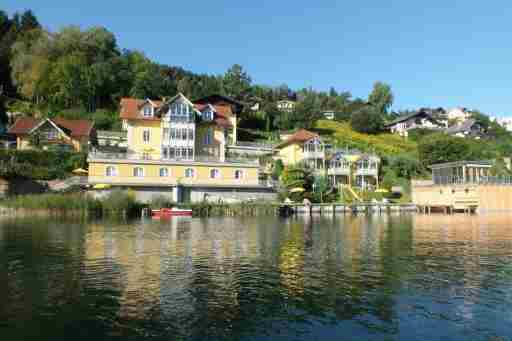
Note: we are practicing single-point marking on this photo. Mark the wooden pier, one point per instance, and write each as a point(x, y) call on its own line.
point(338, 208)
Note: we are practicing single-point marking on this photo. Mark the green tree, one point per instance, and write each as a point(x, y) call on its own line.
point(440, 148)
point(367, 120)
point(381, 97)
point(29, 21)
point(236, 82)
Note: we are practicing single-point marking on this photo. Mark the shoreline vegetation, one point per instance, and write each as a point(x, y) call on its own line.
point(124, 204)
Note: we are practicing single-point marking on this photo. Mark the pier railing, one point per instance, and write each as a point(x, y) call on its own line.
point(480, 180)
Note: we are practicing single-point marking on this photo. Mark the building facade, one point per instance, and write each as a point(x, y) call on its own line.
point(354, 168)
point(53, 133)
point(302, 147)
point(177, 148)
point(286, 105)
point(418, 120)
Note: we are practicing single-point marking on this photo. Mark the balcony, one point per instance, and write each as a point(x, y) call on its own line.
point(367, 171)
point(338, 171)
point(138, 158)
point(314, 154)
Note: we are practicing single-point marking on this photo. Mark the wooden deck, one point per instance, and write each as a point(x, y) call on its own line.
point(350, 208)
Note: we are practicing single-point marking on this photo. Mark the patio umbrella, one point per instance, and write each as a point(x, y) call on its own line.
point(297, 190)
point(80, 171)
point(101, 186)
point(381, 190)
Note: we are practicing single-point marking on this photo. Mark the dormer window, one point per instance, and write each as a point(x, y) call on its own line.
point(207, 115)
point(147, 111)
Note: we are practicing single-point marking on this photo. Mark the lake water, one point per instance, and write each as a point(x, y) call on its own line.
point(401, 277)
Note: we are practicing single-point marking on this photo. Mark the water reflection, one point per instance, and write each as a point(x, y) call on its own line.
point(370, 277)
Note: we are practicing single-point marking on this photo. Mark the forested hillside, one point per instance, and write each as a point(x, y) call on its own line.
point(84, 73)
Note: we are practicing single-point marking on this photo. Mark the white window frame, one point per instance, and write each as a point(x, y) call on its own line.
point(147, 111)
point(111, 171)
point(144, 136)
point(136, 174)
point(163, 170)
point(187, 173)
point(208, 137)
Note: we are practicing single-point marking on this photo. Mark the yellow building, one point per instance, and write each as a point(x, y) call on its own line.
point(57, 133)
point(302, 147)
point(177, 148)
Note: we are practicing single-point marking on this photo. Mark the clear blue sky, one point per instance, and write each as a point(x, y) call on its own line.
point(433, 53)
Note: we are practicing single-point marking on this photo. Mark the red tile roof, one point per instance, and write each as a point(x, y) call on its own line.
point(223, 113)
point(77, 128)
point(23, 125)
point(130, 108)
point(300, 136)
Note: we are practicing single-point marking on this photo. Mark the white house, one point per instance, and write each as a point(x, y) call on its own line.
point(286, 105)
point(458, 114)
point(421, 119)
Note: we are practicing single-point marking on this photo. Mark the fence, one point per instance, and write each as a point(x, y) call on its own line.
point(481, 180)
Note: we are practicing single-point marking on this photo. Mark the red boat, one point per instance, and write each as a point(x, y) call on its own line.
point(170, 212)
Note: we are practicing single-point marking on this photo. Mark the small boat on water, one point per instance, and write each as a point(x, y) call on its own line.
point(170, 212)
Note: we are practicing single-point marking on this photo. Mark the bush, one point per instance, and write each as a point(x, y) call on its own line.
point(39, 164)
point(440, 148)
point(367, 120)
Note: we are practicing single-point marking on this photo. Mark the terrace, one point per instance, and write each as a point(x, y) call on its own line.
point(144, 159)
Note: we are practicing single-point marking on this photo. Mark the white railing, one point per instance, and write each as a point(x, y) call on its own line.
point(96, 155)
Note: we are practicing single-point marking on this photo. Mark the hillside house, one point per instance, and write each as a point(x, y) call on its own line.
point(53, 133)
point(422, 119)
point(286, 105)
point(469, 128)
point(178, 149)
point(302, 147)
point(354, 168)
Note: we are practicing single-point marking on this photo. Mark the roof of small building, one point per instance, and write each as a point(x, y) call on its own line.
point(411, 115)
point(24, 125)
point(300, 136)
point(464, 126)
point(480, 163)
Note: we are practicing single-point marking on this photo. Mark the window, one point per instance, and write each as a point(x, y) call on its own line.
point(52, 135)
point(190, 153)
point(164, 172)
point(166, 134)
point(165, 153)
point(147, 111)
point(145, 136)
point(239, 174)
point(172, 153)
point(138, 171)
point(214, 173)
point(189, 173)
point(173, 133)
point(111, 171)
point(190, 134)
point(208, 136)
point(146, 156)
point(208, 115)
point(183, 133)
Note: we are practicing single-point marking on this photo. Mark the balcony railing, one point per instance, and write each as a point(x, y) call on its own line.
point(366, 171)
point(314, 154)
point(470, 180)
point(197, 158)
